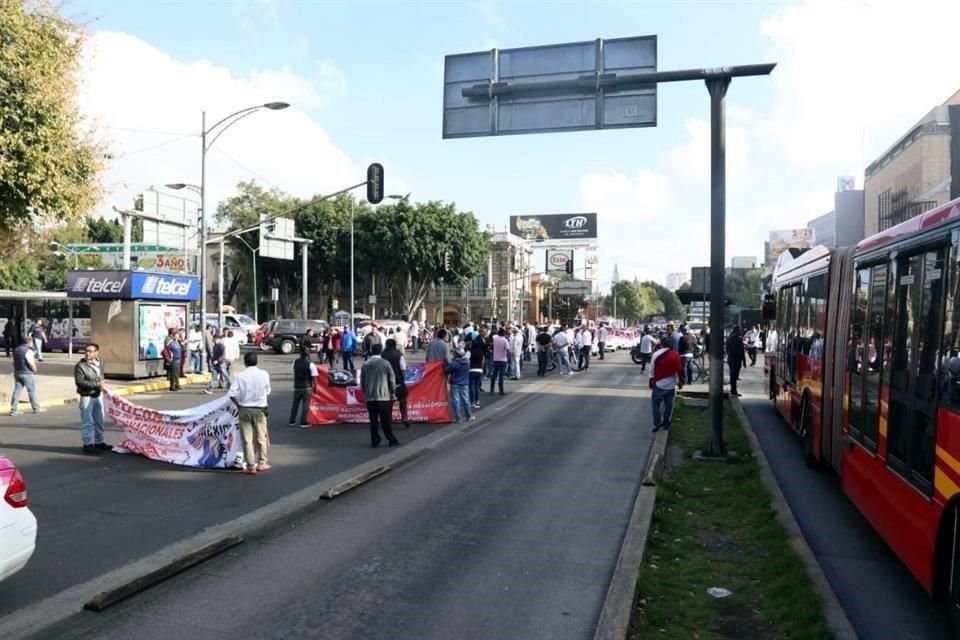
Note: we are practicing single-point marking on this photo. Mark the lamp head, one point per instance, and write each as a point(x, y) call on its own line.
point(276, 106)
point(176, 186)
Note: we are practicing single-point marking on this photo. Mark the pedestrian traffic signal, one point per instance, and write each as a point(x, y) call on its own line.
point(375, 183)
point(569, 266)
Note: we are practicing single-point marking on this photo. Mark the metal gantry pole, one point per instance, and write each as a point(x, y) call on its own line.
point(717, 87)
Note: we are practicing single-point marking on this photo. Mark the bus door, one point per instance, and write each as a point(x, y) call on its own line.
point(911, 424)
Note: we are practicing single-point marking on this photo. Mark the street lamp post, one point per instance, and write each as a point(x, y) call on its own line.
point(223, 124)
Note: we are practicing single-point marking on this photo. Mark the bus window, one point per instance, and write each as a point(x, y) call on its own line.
point(950, 351)
point(923, 445)
point(874, 355)
point(856, 360)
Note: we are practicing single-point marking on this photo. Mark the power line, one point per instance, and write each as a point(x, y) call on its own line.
point(246, 168)
point(153, 146)
point(152, 131)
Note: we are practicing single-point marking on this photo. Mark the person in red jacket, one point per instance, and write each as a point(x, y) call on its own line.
point(665, 378)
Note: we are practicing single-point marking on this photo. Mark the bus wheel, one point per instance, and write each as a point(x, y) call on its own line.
point(806, 434)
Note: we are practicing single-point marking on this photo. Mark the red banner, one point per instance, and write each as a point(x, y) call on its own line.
point(337, 396)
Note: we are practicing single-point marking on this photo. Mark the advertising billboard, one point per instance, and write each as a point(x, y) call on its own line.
point(559, 228)
point(785, 239)
point(155, 323)
point(557, 260)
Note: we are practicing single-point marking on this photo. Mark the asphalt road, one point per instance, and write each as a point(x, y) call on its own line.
point(98, 513)
point(510, 531)
point(881, 598)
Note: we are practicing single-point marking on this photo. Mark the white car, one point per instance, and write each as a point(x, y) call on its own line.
point(18, 526)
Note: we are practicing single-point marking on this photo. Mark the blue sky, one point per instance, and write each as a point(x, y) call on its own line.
point(365, 79)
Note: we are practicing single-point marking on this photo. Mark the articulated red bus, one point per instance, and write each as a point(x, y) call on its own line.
point(863, 361)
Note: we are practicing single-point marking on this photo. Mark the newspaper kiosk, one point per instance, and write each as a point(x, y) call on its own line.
point(131, 312)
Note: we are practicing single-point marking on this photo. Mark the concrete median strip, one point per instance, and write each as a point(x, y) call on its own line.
point(835, 615)
point(123, 591)
point(618, 606)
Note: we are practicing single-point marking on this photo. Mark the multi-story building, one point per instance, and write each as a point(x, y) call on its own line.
point(675, 280)
point(842, 227)
point(743, 263)
point(919, 172)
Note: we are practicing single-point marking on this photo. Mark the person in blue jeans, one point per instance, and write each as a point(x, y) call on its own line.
point(24, 377)
point(88, 376)
point(478, 351)
point(459, 370)
point(666, 377)
point(347, 346)
point(218, 366)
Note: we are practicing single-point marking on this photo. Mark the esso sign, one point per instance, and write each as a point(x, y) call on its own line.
point(559, 259)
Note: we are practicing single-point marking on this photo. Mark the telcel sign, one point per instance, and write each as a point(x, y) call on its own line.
point(131, 285)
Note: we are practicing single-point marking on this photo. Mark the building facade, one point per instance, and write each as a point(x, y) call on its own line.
point(844, 226)
point(675, 280)
point(919, 172)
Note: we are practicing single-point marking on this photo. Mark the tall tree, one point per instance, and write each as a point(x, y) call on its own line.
point(672, 307)
point(48, 167)
point(244, 210)
point(413, 244)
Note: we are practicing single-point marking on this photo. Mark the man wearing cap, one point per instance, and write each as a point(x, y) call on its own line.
point(459, 370)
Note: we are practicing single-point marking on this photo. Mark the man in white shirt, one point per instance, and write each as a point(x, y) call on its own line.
point(602, 339)
point(195, 342)
point(562, 346)
point(414, 335)
point(516, 352)
point(647, 343)
point(249, 392)
point(586, 345)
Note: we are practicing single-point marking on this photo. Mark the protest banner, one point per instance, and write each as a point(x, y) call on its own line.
point(337, 396)
point(206, 436)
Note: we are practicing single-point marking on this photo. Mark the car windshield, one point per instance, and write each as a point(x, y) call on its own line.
point(245, 320)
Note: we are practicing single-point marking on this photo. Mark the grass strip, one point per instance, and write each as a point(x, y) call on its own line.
point(714, 526)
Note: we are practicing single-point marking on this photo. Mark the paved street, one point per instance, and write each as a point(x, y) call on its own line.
point(879, 595)
point(510, 531)
point(98, 513)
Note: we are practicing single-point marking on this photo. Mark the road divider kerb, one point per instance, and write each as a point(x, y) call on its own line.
point(129, 390)
point(614, 622)
point(836, 617)
point(354, 482)
point(131, 588)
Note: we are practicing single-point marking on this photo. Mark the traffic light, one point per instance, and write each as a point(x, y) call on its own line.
point(446, 261)
point(375, 183)
point(569, 266)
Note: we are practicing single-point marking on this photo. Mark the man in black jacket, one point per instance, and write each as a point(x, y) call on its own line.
point(88, 376)
point(393, 355)
point(736, 358)
point(304, 371)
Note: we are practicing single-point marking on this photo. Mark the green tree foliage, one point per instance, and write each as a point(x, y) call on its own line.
point(408, 242)
point(744, 287)
point(103, 230)
point(634, 301)
point(48, 166)
point(672, 307)
point(244, 210)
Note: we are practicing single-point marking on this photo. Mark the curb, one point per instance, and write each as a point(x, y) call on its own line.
point(128, 390)
point(141, 574)
point(836, 617)
point(621, 597)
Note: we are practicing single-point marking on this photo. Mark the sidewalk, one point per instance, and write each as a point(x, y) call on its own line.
point(55, 385)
